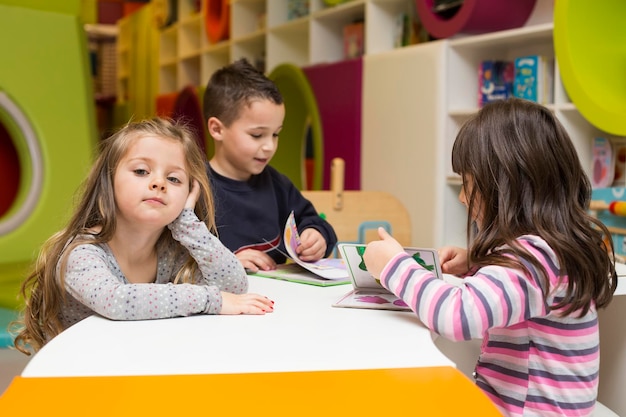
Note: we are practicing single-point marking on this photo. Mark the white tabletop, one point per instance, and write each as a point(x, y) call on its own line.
point(304, 333)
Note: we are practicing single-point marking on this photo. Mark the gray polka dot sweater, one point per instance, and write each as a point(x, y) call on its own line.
point(95, 283)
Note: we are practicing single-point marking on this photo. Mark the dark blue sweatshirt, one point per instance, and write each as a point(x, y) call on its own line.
point(252, 214)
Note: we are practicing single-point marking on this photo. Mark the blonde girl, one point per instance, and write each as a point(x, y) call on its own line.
point(140, 244)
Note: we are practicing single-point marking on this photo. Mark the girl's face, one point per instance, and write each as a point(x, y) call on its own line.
point(250, 142)
point(151, 183)
point(464, 195)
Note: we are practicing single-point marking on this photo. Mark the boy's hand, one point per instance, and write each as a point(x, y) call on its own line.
point(254, 260)
point(245, 304)
point(379, 252)
point(312, 245)
point(453, 260)
point(193, 196)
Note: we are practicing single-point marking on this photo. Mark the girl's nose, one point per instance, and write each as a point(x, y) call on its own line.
point(158, 184)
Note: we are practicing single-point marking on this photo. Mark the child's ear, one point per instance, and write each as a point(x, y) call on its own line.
point(215, 127)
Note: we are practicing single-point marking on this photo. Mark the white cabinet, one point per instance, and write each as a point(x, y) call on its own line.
point(414, 101)
point(463, 58)
point(123, 61)
point(403, 131)
point(261, 31)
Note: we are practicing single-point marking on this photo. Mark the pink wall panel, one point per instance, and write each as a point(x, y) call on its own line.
point(337, 88)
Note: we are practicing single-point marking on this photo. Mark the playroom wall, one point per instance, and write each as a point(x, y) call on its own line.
point(387, 112)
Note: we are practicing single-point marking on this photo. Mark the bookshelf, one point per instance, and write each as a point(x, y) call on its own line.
point(463, 57)
point(261, 31)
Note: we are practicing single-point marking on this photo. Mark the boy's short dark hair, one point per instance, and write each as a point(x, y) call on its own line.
point(235, 85)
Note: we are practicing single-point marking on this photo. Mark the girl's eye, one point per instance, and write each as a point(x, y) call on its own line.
point(275, 135)
point(174, 180)
point(256, 136)
point(140, 171)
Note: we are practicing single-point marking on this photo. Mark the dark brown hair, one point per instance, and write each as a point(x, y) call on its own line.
point(527, 179)
point(234, 86)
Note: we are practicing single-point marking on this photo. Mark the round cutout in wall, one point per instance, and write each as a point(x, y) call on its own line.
point(9, 171)
point(443, 19)
point(302, 118)
point(589, 41)
point(29, 165)
point(217, 20)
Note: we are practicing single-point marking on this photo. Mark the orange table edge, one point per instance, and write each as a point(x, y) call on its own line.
point(419, 391)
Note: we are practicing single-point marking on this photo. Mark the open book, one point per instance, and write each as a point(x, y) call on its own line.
point(324, 272)
point(367, 291)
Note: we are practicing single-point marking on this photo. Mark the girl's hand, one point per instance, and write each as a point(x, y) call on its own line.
point(253, 260)
point(453, 260)
point(193, 196)
point(312, 245)
point(245, 304)
point(379, 252)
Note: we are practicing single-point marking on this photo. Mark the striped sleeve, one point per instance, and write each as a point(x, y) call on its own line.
point(493, 297)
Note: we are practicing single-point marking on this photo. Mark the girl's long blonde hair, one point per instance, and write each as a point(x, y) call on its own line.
point(43, 291)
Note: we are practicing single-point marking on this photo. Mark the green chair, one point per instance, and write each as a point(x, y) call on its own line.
point(301, 119)
point(6, 317)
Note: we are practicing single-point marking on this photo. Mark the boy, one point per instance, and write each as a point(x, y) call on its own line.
point(244, 112)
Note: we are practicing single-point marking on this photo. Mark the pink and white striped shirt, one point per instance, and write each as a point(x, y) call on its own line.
point(533, 362)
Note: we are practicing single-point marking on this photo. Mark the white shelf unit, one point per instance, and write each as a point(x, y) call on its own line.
point(463, 58)
point(261, 32)
point(123, 46)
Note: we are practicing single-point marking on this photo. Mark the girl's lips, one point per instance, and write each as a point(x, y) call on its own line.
point(154, 200)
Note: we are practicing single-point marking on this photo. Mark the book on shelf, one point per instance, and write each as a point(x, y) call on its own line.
point(324, 272)
point(495, 81)
point(608, 159)
point(353, 40)
point(534, 78)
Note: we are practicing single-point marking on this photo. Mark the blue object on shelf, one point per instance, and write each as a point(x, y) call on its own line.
point(6, 317)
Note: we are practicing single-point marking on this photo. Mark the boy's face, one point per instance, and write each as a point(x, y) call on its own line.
point(246, 146)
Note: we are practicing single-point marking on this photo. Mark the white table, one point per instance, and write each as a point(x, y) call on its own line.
point(304, 333)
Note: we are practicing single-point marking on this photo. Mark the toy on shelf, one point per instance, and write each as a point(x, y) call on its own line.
point(609, 206)
point(616, 208)
point(603, 163)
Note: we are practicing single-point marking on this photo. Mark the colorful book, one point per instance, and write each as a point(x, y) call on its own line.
point(324, 272)
point(534, 78)
point(353, 40)
point(367, 291)
point(495, 81)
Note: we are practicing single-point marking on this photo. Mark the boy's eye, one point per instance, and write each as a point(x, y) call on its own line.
point(140, 171)
point(275, 135)
point(256, 136)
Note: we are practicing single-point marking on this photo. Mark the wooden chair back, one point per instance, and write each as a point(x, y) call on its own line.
point(356, 215)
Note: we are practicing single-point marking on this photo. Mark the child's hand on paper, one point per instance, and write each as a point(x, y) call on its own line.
point(379, 252)
point(312, 245)
point(245, 304)
point(453, 260)
point(254, 260)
